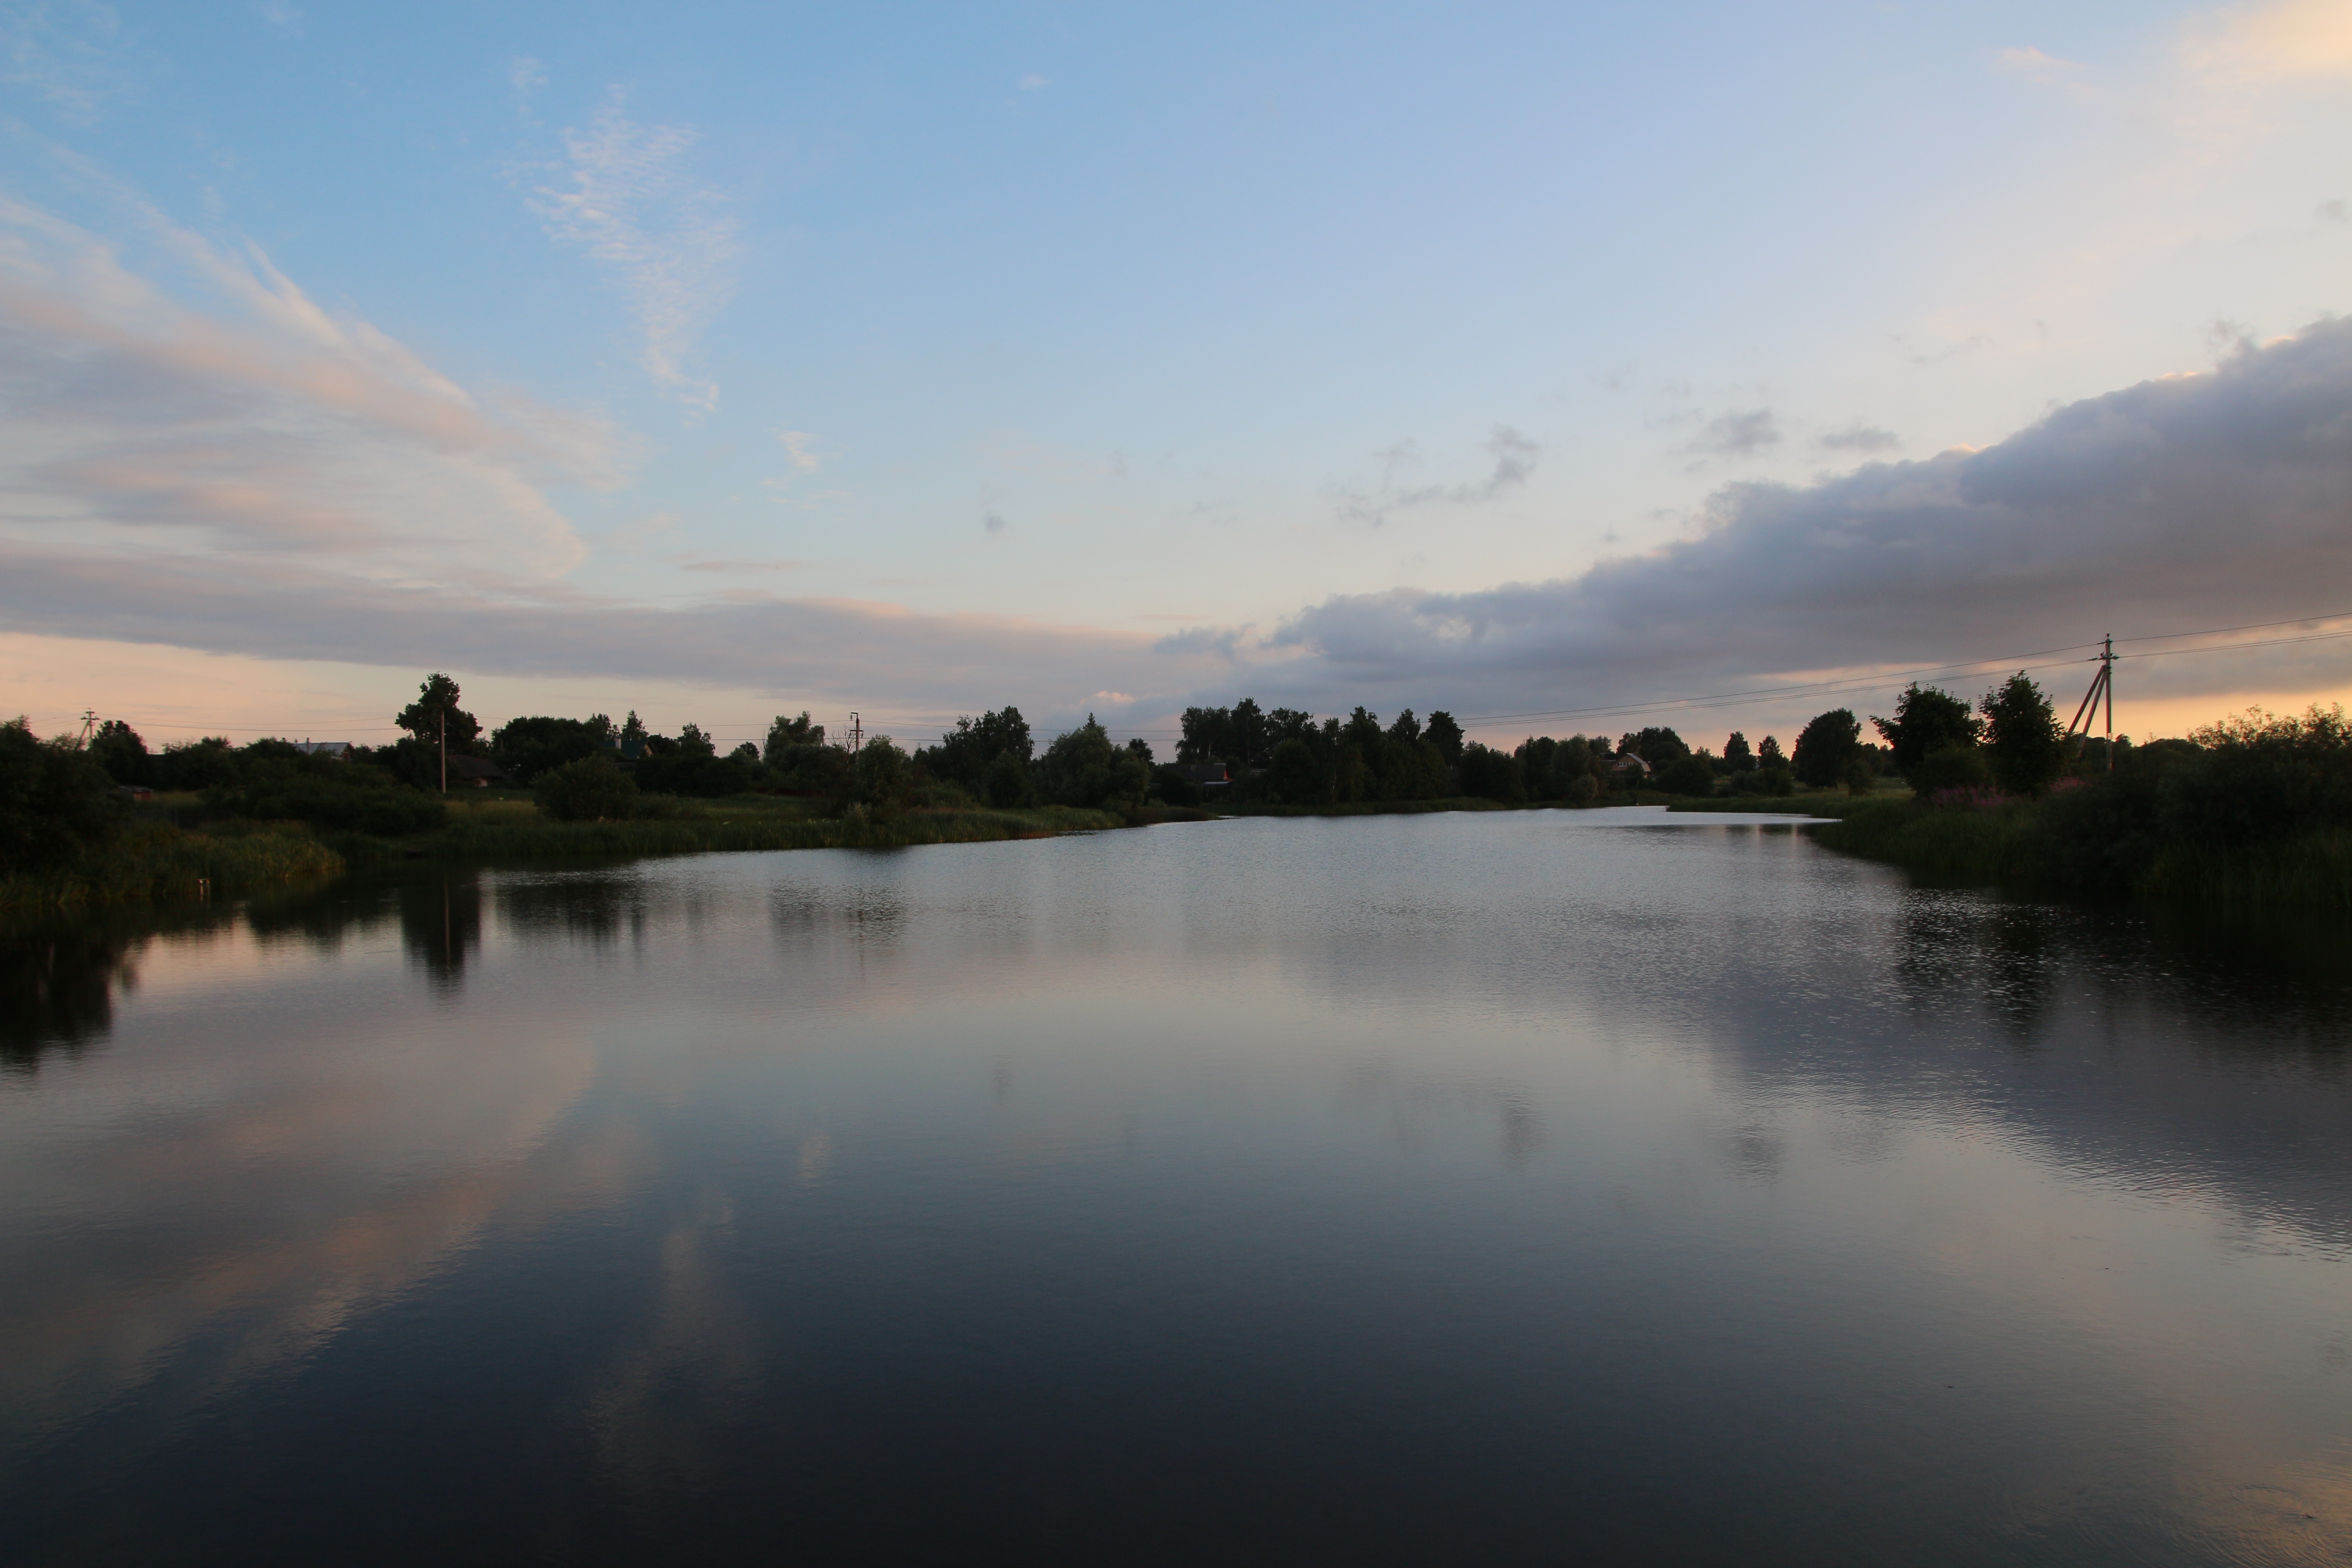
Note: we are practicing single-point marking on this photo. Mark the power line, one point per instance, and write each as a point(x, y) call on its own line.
point(1852, 683)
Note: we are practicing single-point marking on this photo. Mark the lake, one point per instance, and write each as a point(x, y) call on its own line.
point(1528, 1187)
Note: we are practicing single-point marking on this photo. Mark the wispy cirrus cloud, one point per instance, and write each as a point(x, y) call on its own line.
point(1513, 455)
point(71, 55)
point(257, 424)
point(632, 206)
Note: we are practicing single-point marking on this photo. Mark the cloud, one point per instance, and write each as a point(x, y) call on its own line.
point(131, 422)
point(994, 523)
point(2034, 66)
point(1737, 435)
point(671, 241)
point(797, 444)
point(1861, 438)
point(1514, 459)
point(71, 55)
point(892, 658)
point(1032, 83)
point(734, 566)
point(2193, 500)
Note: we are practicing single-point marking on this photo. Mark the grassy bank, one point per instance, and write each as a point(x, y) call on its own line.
point(513, 830)
point(1825, 804)
point(1422, 807)
point(2023, 844)
point(155, 862)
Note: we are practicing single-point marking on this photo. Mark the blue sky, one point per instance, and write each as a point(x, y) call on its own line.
point(714, 360)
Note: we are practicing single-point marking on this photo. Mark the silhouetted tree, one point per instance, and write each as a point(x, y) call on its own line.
point(437, 699)
point(784, 732)
point(2022, 740)
point(1925, 720)
point(1826, 746)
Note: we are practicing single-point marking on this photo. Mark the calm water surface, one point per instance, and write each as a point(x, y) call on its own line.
point(1542, 1187)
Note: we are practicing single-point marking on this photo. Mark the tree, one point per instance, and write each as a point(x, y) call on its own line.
point(1655, 745)
point(437, 701)
point(1737, 757)
point(593, 789)
point(1925, 720)
point(1826, 746)
point(967, 753)
point(1442, 733)
point(1767, 755)
point(1491, 774)
point(785, 733)
point(118, 749)
point(883, 775)
point(1686, 775)
point(1084, 768)
point(54, 803)
point(1005, 785)
point(693, 743)
point(1288, 725)
point(2021, 739)
point(528, 747)
point(1298, 779)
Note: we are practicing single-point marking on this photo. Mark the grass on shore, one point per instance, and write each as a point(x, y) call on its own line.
point(514, 830)
point(155, 861)
point(2007, 842)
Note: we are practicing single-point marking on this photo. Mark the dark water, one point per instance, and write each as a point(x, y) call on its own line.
point(1536, 1187)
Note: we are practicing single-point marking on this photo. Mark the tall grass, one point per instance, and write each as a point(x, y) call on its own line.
point(519, 837)
point(1979, 843)
point(2015, 842)
point(2309, 871)
point(158, 861)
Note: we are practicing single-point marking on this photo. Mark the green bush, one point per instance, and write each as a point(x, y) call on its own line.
point(56, 805)
point(1006, 783)
point(326, 793)
point(1083, 769)
point(1775, 781)
point(1686, 775)
point(1950, 768)
point(593, 789)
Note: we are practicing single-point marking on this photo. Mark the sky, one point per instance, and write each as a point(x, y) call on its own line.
point(1566, 368)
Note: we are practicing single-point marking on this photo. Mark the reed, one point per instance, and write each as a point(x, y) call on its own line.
point(157, 861)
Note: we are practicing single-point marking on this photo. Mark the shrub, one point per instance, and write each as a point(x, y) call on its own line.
point(1687, 775)
point(326, 793)
point(1296, 777)
point(1006, 782)
point(56, 805)
point(883, 777)
point(1949, 768)
point(1774, 781)
point(2262, 777)
point(1083, 768)
point(593, 789)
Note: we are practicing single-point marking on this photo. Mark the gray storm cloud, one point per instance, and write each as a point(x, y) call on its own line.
point(2178, 504)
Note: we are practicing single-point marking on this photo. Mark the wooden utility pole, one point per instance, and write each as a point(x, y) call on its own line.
point(2103, 686)
point(444, 751)
point(856, 734)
